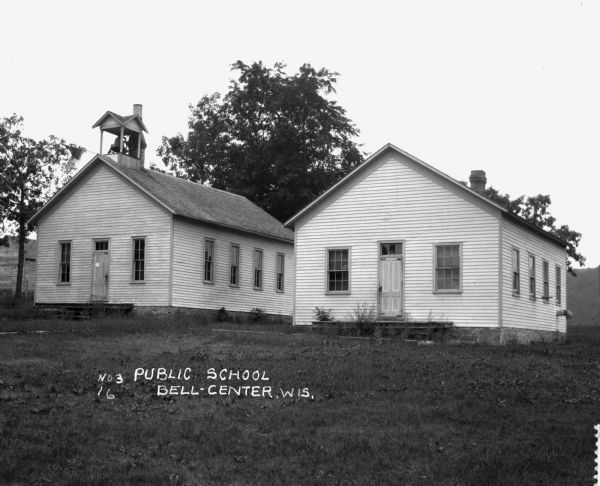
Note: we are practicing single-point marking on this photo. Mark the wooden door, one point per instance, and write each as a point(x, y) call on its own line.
point(390, 280)
point(100, 276)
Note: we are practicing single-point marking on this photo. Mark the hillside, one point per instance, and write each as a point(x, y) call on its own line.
point(583, 297)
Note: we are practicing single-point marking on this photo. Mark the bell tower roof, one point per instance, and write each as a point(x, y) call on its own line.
point(111, 122)
point(129, 145)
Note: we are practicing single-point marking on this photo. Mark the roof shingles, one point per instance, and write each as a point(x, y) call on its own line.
point(203, 203)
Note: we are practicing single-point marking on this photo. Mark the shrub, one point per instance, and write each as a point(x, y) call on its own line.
point(322, 314)
point(364, 313)
point(365, 316)
point(222, 315)
point(257, 313)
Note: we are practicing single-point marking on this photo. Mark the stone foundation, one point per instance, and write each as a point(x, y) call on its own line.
point(504, 335)
point(205, 316)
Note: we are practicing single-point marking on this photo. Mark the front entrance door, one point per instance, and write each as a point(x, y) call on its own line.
point(100, 263)
point(390, 279)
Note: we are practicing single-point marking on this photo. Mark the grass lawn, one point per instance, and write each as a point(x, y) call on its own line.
point(379, 412)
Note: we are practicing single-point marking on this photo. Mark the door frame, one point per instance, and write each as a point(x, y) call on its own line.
point(93, 253)
point(379, 283)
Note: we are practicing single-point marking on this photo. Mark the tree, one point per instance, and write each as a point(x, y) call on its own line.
point(29, 171)
point(534, 210)
point(275, 138)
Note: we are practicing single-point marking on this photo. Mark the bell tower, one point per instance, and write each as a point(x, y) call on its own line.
point(129, 145)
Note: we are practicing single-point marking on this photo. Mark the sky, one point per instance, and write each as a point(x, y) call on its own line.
point(511, 87)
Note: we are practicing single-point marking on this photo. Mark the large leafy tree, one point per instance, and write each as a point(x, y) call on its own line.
point(275, 138)
point(534, 209)
point(30, 170)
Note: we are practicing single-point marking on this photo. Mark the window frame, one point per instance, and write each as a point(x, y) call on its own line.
point(516, 273)
point(558, 284)
point(258, 251)
point(349, 270)
point(436, 290)
point(278, 273)
point(545, 281)
point(211, 262)
point(95, 241)
point(532, 278)
point(235, 284)
point(69, 263)
point(144, 260)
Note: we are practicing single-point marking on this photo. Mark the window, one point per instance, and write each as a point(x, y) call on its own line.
point(101, 245)
point(558, 285)
point(447, 268)
point(279, 272)
point(64, 268)
point(258, 265)
point(546, 280)
point(391, 249)
point(234, 266)
point(139, 259)
point(338, 272)
point(209, 261)
point(516, 272)
point(531, 276)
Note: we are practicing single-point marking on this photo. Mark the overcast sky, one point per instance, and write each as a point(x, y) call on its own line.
point(510, 87)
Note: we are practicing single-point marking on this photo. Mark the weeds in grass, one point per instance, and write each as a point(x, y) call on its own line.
point(390, 413)
point(364, 317)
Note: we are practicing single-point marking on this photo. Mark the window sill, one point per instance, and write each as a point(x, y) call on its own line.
point(140, 282)
point(516, 294)
point(63, 284)
point(234, 286)
point(447, 292)
point(337, 292)
point(208, 282)
point(280, 291)
point(257, 288)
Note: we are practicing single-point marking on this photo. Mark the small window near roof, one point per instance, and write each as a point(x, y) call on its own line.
point(447, 268)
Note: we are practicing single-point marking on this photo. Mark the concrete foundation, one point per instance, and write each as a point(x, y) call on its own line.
point(205, 316)
point(504, 335)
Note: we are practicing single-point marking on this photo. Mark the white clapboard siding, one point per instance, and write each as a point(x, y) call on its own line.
point(521, 311)
point(397, 200)
point(189, 289)
point(104, 205)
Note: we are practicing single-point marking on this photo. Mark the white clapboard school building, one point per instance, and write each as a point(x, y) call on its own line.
point(416, 245)
point(119, 234)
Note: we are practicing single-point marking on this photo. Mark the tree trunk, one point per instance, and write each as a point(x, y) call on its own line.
point(20, 265)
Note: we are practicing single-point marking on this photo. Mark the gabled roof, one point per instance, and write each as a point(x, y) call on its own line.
point(390, 147)
point(121, 120)
point(188, 200)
